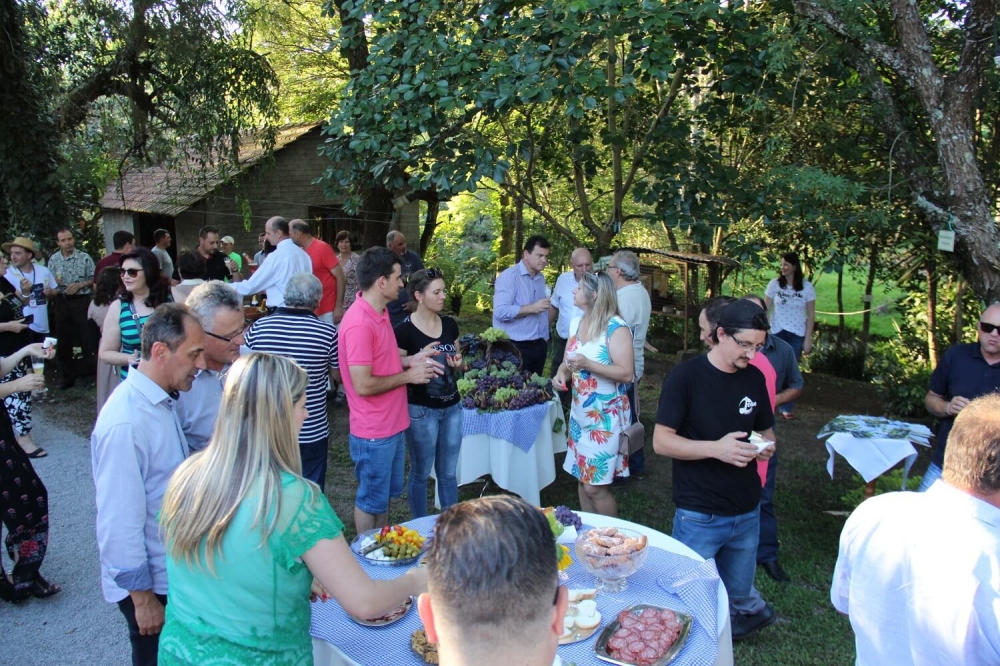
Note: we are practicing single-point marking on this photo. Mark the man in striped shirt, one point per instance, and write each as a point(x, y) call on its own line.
point(521, 304)
point(295, 332)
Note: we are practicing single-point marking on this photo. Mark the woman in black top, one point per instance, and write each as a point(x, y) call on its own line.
point(435, 434)
point(24, 502)
point(14, 335)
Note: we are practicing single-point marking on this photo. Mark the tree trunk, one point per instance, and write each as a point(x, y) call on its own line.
point(959, 324)
point(866, 323)
point(507, 225)
point(430, 225)
point(518, 227)
point(932, 285)
point(841, 321)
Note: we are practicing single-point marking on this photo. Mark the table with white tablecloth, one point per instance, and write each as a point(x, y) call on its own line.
point(523, 472)
point(338, 641)
point(873, 445)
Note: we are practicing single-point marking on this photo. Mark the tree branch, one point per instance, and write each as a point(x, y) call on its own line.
point(963, 86)
point(640, 152)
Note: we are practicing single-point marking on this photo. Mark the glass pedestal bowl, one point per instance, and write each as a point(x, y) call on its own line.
point(611, 570)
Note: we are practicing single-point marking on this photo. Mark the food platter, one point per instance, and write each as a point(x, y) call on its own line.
point(582, 618)
point(387, 619)
point(424, 650)
point(365, 539)
point(601, 645)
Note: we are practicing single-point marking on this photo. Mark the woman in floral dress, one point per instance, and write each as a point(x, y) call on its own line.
point(599, 363)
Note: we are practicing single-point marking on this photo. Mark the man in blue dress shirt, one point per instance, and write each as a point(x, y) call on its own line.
point(136, 446)
point(521, 304)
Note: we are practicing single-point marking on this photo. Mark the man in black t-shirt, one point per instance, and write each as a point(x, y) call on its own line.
point(708, 408)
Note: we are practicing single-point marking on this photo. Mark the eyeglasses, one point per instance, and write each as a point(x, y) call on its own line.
point(746, 346)
point(988, 328)
point(433, 273)
point(131, 272)
point(246, 325)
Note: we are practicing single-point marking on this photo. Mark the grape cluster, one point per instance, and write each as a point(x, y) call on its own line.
point(494, 381)
point(568, 517)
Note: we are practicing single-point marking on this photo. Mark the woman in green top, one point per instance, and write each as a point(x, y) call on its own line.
point(246, 534)
point(143, 289)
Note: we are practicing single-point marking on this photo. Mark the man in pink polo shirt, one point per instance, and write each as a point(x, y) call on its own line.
point(375, 385)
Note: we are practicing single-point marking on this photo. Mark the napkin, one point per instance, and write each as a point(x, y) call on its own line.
point(695, 586)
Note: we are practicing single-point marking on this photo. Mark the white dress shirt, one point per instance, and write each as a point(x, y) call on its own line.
point(634, 306)
point(40, 278)
point(136, 445)
point(919, 575)
point(272, 275)
point(562, 300)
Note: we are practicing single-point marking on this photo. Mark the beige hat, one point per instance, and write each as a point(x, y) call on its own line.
point(228, 239)
point(23, 243)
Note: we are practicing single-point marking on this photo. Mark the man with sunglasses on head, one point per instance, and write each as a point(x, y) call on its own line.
point(966, 372)
point(219, 309)
point(709, 406)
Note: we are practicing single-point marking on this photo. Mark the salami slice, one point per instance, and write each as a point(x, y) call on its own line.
point(623, 633)
point(617, 643)
point(649, 636)
point(636, 646)
point(668, 615)
point(628, 620)
point(649, 655)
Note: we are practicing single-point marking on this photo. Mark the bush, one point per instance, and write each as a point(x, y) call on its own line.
point(901, 376)
point(845, 360)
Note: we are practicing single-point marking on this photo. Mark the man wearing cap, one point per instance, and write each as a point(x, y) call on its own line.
point(228, 245)
point(709, 405)
point(74, 273)
point(35, 284)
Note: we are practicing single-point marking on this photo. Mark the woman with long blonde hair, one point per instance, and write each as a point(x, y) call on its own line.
point(599, 363)
point(246, 533)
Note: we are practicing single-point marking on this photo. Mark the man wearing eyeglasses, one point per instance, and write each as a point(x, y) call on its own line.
point(562, 305)
point(966, 372)
point(709, 405)
point(219, 309)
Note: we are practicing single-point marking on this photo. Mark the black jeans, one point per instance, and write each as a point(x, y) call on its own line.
point(144, 648)
point(533, 354)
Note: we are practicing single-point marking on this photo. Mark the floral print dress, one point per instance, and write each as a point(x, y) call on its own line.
point(599, 413)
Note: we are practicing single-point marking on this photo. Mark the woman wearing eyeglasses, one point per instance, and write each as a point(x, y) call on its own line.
point(600, 364)
point(246, 534)
point(435, 434)
point(143, 290)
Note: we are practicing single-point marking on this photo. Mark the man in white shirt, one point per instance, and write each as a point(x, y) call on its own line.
point(34, 284)
point(561, 304)
point(634, 306)
point(286, 260)
point(918, 572)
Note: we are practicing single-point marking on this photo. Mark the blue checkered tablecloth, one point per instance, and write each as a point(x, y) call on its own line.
point(518, 426)
point(667, 579)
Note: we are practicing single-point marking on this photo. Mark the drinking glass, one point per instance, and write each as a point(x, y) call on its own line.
point(38, 367)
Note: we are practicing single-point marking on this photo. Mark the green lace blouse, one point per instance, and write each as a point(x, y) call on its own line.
point(255, 608)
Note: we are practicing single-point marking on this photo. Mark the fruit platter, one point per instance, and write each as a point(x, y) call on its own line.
point(392, 545)
point(494, 381)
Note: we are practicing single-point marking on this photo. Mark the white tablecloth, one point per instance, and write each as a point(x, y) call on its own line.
point(326, 654)
point(873, 445)
point(511, 468)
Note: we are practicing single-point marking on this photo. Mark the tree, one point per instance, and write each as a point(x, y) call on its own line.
point(939, 54)
point(563, 105)
point(178, 76)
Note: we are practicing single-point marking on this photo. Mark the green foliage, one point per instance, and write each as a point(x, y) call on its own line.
point(887, 483)
point(901, 376)
point(463, 248)
point(845, 359)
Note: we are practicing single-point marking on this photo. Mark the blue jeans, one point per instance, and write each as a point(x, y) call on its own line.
point(732, 541)
point(932, 474)
point(767, 547)
point(378, 468)
point(796, 342)
point(314, 457)
point(433, 441)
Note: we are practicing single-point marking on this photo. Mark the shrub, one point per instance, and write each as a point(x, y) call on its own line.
point(887, 483)
point(901, 376)
point(845, 360)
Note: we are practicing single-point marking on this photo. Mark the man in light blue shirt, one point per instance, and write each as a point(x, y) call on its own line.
point(136, 445)
point(521, 304)
point(917, 572)
point(220, 310)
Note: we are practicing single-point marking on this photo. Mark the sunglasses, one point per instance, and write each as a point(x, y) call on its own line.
point(988, 328)
point(131, 272)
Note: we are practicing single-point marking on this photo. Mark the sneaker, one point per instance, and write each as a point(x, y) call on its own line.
point(745, 625)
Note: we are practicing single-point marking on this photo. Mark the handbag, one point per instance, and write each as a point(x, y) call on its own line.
point(632, 439)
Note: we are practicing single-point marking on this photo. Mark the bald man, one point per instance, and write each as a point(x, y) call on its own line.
point(965, 373)
point(562, 305)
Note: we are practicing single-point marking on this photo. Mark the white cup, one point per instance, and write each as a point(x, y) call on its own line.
point(49, 342)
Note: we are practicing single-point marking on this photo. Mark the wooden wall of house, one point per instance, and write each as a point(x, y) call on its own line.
point(283, 188)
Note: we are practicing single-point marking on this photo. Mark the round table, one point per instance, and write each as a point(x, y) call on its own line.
point(356, 645)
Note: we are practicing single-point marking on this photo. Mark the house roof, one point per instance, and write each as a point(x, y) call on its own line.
point(160, 190)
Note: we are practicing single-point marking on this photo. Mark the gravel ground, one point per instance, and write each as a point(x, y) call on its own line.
point(75, 626)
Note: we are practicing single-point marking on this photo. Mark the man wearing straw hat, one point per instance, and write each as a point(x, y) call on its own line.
point(34, 284)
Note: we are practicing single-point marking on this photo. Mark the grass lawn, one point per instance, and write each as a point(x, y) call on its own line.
point(826, 298)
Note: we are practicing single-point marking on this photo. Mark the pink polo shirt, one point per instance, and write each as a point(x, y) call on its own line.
point(760, 362)
point(366, 338)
